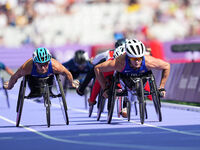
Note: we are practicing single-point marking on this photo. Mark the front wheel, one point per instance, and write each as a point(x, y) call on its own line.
point(111, 101)
point(141, 100)
point(64, 103)
point(128, 104)
point(47, 104)
point(156, 98)
point(100, 105)
point(20, 101)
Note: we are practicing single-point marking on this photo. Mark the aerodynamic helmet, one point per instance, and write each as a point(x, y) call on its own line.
point(119, 51)
point(80, 57)
point(41, 55)
point(134, 48)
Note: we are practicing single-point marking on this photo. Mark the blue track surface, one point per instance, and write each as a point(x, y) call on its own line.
point(179, 130)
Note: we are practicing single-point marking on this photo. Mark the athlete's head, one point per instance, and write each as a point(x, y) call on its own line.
point(41, 57)
point(135, 50)
point(80, 58)
point(119, 42)
point(119, 51)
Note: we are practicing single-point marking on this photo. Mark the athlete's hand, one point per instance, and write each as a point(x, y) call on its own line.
point(75, 83)
point(162, 92)
point(105, 93)
point(5, 85)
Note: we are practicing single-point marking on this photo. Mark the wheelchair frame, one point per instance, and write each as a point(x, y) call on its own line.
point(139, 92)
point(46, 97)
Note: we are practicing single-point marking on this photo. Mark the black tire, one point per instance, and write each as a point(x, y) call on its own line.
point(65, 85)
point(100, 105)
point(63, 99)
point(90, 110)
point(141, 101)
point(48, 115)
point(6, 93)
point(20, 100)
point(156, 98)
point(128, 105)
point(47, 104)
point(145, 108)
point(86, 92)
point(111, 100)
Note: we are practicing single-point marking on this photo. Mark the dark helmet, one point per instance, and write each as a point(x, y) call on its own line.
point(120, 42)
point(80, 57)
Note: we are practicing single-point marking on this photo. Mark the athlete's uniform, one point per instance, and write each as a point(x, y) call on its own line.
point(76, 72)
point(97, 60)
point(128, 70)
point(34, 84)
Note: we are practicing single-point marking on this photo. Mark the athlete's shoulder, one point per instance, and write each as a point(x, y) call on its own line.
point(26, 68)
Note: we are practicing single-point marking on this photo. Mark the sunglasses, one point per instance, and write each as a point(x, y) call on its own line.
point(134, 59)
point(43, 64)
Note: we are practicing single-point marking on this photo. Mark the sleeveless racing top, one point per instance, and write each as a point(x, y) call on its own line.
point(128, 70)
point(36, 74)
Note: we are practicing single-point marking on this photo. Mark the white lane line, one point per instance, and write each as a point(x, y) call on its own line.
point(145, 124)
point(104, 144)
point(148, 125)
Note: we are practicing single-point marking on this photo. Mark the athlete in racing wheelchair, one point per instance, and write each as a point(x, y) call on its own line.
point(39, 71)
point(134, 62)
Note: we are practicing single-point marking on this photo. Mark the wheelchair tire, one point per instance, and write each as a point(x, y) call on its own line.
point(111, 100)
point(20, 100)
point(6, 93)
point(128, 105)
point(63, 99)
point(65, 86)
point(156, 98)
point(141, 101)
point(48, 116)
point(145, 108)
point(100, 105)
point(47, 105)
point(90, 110)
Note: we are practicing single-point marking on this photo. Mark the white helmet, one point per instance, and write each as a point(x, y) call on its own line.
point(119, 51)
point(135, 48)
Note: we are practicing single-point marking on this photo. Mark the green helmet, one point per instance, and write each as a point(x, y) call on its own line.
point(41, 55)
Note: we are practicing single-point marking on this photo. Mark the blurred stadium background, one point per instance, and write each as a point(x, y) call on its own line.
point(64, 26)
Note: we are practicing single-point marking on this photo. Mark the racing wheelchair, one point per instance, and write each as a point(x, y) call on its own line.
point(100, 105)
point(44, 85)
point(101, 102)
point(136, 84)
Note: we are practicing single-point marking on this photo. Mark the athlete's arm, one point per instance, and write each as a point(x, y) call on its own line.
point(9, 71)
point(155, 63)
point(25, 69)
point(106, 66)
point(58, 68)
point(99, 57)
